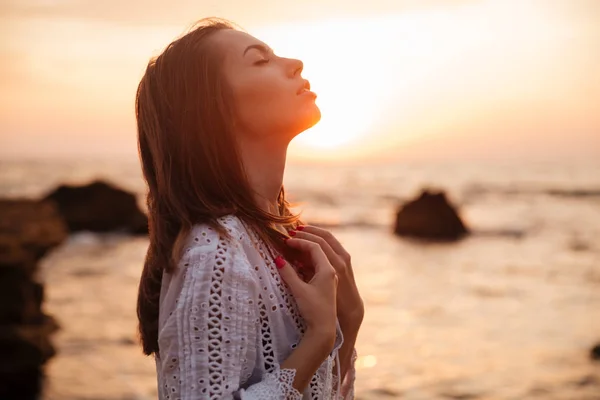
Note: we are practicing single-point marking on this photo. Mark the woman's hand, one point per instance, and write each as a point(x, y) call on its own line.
point(350, 307)
point(316, 299)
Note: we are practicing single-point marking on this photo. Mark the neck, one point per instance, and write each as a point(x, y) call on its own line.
point(264, 164)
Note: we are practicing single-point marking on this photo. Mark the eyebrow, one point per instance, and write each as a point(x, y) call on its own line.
point(262, 48)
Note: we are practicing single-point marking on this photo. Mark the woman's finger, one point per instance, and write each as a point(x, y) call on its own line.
point(289, 275)
point(333, 257)
point(328, 237)
point(316, 254)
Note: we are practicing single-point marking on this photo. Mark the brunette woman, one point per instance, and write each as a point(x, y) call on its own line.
point(237, 299)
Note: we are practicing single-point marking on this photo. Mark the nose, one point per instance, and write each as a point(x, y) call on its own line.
point(296, 66)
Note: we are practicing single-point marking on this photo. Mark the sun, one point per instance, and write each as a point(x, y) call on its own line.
point(346, 116)
point(371, 73)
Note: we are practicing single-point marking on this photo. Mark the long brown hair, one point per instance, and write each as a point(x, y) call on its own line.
point(190, 161)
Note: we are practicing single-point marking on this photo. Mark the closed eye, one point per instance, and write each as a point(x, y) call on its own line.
point(263, 61)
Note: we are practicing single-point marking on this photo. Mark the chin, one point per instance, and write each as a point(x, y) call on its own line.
point(311, 118)
point(301, 121)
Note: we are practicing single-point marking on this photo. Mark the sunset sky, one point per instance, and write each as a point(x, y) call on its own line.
point(398, 79)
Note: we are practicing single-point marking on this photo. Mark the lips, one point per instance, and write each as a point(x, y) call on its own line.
point(305, 87)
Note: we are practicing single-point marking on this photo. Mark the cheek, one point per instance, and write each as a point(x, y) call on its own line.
point(261, 87)
point(266, 103)
point(263, 99)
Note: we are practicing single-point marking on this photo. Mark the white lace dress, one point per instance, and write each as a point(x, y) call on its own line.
point(227, 321)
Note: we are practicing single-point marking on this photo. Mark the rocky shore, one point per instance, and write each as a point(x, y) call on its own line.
point(29, 229)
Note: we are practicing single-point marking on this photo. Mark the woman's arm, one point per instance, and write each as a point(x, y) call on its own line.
point(312, 350)
point(208, 345)
point(350, 307)
point(296, 371)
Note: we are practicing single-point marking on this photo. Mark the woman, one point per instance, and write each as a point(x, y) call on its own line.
point(237, 299)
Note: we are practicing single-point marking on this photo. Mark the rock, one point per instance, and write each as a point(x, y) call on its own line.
point(26, 346)
point(28, 230)
point(595, 353)
point(34, 226)
point(99, 207)
point(21, 385)
point(19, 294)
point(23, 351)
point(430, 216)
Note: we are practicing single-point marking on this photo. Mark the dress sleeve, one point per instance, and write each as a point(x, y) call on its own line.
point(208, 344)
point(347, 385)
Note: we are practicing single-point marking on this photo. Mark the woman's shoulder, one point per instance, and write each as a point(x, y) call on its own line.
point(207, 244)
point(206, 236)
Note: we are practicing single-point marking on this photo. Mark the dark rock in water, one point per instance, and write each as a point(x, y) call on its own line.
point(21, 385)
point(24, 350)
point(19, 294)
point(99, 207)
point(33, 226)
point(595, 352)
point(26, 346)
point(28, 230)
point(430, 216)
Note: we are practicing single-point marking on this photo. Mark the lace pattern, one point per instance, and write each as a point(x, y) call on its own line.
point(290, 307)
point(278, 386)
point(347, 385)
point(215, 329)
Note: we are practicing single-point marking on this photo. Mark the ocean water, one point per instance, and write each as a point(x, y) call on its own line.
point(509, 313)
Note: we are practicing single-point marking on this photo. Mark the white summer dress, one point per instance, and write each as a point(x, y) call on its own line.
point(227, 321)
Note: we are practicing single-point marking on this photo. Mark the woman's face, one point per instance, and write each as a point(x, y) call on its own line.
point(271, 98)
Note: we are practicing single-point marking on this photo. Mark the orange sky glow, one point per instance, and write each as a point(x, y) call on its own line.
point(395, 79)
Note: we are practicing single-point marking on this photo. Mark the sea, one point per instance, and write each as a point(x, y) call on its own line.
point(509, 313)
